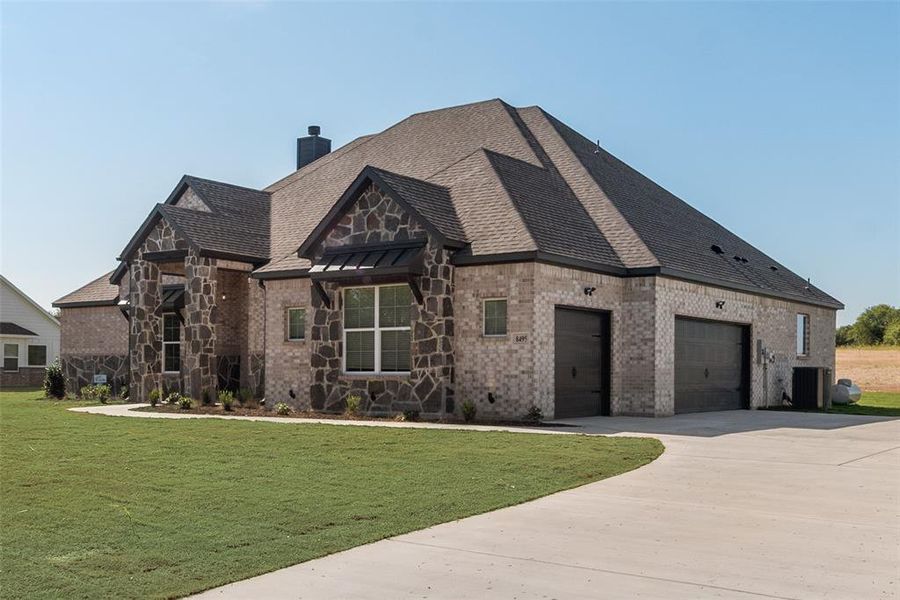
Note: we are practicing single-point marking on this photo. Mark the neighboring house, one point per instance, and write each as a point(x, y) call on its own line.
point(29, 337)
point(479, 253)
point(94, 337)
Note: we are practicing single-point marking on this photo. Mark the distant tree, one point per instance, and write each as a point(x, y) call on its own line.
point(892, 333)
point(870, 325)
point(843, 336)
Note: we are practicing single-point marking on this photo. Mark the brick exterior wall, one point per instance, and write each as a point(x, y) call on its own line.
point(93, 341)
point(286, 362)
point(24, 377)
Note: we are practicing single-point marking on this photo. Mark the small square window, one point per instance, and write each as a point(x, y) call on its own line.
point(37, 356)
point(296, 323)
point(495, 317)
point(10, 357)
point(802, 335)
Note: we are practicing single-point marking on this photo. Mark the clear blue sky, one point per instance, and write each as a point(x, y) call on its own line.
point(779, 120)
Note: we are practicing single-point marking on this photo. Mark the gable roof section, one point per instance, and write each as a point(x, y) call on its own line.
point(29, 300)
point(8, 328)
point(428, 203)
point(236, 225)
point(99, 292)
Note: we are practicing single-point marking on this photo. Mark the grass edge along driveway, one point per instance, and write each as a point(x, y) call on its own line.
point(94, 506)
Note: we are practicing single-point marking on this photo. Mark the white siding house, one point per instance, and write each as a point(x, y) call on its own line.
point(29, 337)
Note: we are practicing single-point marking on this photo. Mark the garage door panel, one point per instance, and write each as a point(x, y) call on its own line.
point(709, 365)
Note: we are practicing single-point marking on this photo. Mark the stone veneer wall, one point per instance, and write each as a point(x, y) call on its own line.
point(429, 388)
point(198, 361)
point(773, 321)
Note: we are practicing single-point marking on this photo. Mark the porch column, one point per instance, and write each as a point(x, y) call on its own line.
point(146, 347)
point(200, 318)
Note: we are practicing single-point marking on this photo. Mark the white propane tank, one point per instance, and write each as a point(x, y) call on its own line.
point(845, 392)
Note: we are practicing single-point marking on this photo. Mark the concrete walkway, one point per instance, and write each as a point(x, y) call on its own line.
point(741, 505)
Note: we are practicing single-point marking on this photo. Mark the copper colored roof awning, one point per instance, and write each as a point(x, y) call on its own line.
point(371, 260)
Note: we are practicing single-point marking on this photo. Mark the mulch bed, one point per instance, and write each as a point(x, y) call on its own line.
point(238, 411)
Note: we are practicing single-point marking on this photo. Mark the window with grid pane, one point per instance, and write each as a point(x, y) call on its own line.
point(377, 329)
point(10, 357)
point(37, 356)
point(495, 316)
point(296, 324)
point(171, 343)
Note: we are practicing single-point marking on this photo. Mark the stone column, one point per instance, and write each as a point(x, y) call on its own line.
point(199, 345)
point(146, 347)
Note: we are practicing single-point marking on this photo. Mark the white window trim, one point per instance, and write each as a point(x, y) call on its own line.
point(377, 331)
point(165, 344)
point(46, 355)
point(287, 313)
point(18, 357)
point(484, 333)
point(803, 337)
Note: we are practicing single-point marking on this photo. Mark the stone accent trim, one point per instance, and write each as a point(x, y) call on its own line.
point(80, 370)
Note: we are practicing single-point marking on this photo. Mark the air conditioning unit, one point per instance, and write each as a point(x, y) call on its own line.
point(812, 387)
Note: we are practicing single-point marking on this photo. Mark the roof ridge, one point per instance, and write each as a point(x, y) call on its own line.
point(88, 284)
point(187, 176)
point(331, 156)
point(463, 105)
point(402, 176)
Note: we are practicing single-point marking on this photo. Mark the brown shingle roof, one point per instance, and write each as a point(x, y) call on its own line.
point(99, 292)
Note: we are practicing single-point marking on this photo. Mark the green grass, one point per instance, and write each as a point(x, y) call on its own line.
point(99, 507)
point(883, 404)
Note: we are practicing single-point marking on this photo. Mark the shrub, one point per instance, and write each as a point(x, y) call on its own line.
point(123, 392)
point(226, 399)
point(245, 397)
point(353, 404)
point(843, 336)
point(96, 393)
point(410, 415)
point(55, 381)
point(185, 403)
point(206, 397)
point(173, 398)
point(154, 396)
point(469, 410)
point(282, 409)
point(534, 415)
point(892, 333)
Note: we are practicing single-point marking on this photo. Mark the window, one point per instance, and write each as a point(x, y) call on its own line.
point(10, 357)
point(495, 317)
point(377, 329)
point(37, 356)
point(802, 335)
point(296, 324)
point(171, 343)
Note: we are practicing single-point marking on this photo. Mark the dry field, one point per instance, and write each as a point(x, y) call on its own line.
point(872, 369)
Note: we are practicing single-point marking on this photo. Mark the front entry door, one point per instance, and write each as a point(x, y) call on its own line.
point(582, 344)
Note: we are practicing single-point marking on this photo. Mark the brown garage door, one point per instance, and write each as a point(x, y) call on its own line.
point(581, 363)
point(710, 363)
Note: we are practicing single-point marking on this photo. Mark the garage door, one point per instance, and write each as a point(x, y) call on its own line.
point(709, 365)
point(581, 363)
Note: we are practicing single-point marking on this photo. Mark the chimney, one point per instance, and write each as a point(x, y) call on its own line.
point(311, 147)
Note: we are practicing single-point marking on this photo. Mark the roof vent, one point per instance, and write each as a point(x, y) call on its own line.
point(717, 249)
point(773, 267)
point(311, 147)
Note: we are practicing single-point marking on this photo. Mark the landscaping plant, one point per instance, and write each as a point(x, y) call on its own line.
point(55, 381)
point(469, 410)
point(154, 396)
point(173, 398)
point(534, 415)
point(282, 409)
point(245, 398)
point(96, 393)
point(206, 397)
point(226, 399)
point(185, 403)
point(353, 403)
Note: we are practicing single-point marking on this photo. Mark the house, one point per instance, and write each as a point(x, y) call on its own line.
point(481, 253)
point(29, 336)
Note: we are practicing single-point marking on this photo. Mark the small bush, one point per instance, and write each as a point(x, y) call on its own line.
point(353, 403)
point(534, 415)
point(245, 397)
point(153, 396)
point(173, 398)
point(226, 399)
point(55, 381)
point(469, 410)
point(410, 415)
point(185, 403)
point(123, 392)
point(96, 393)
point(282, 409)
point(206, 397)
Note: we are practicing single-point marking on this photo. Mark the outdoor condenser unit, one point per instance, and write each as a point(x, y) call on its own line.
point(812, 387)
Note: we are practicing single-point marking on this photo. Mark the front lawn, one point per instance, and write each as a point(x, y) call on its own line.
point(101, 507)
point(883, 404)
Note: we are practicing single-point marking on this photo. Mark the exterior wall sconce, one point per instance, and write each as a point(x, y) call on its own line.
point(491, 398)
point(720, 304)
point(589, 291)
point(223, 296)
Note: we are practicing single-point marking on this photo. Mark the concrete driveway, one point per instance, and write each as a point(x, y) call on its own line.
point(741, 505)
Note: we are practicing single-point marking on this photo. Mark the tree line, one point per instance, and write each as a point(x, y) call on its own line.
point(877, 325)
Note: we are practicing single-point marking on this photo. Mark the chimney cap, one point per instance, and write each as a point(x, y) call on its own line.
point(314, 130)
